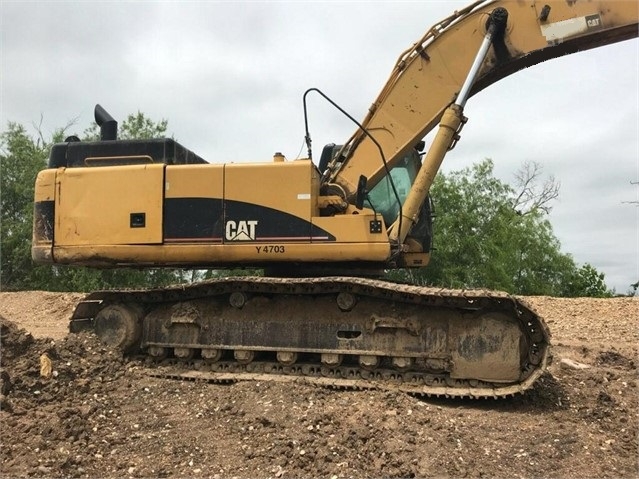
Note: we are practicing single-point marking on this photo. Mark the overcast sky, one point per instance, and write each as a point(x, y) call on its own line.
point(229, 78)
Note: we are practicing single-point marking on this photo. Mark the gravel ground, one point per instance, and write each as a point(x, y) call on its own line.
point(99, 415)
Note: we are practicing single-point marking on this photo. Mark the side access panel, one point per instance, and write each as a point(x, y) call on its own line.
point(270, 202)
point(109, 205)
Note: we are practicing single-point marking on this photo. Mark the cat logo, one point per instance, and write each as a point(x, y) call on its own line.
point(593, 22)
point(240, 230)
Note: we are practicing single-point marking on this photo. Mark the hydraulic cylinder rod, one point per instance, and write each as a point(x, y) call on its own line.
point(496, 25)
point(448, 133)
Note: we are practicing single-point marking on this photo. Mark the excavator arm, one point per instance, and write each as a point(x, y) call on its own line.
point(429, 76)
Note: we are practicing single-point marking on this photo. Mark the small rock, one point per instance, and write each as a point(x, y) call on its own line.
point(5, 405)
point(570, 364)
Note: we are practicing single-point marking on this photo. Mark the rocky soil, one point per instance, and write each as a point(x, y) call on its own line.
point(99, 415)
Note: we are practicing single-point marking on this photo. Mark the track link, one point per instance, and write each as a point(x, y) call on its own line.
point(419, 315)
point(338, 378)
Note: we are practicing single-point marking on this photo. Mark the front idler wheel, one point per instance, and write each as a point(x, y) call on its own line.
point(119, 326)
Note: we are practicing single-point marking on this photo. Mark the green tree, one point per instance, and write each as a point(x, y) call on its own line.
point(490, 235)
point(587, 281)
point(22, 156)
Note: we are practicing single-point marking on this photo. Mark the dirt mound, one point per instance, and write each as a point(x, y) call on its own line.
point(615, 360)
point(42, 313)
point(13, 340)
point(48, 388)
point(84, 411)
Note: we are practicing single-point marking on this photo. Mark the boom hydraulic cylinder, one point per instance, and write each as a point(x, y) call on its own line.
point(447, 135)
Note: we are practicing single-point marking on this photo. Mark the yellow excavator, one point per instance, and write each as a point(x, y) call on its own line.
point(323, 233)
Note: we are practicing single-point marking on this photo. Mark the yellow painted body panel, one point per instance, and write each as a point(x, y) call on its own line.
point(94, 205)
point(45, 186)
point(212, 255)
point(352, 228)
point(200, 181)
point(284, 186)
point(93, 208)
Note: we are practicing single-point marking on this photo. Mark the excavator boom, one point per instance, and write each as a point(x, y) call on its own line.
point(428, 76)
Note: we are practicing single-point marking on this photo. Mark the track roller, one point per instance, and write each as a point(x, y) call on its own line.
point(368, 362)
point(331, 359)
point(237, 299)
point(286, 357)
point(401, 363)
point(157, 352)
point(243, 356)
point(211, 354)
point(183, 353)
point(346, 301)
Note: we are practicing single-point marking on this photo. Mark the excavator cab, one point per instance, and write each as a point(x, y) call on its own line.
point(386, 200)
point(383, 198)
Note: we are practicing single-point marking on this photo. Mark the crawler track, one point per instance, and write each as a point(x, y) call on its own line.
point(339, 332)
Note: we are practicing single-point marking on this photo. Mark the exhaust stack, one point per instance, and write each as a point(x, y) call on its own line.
point(108, 126)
